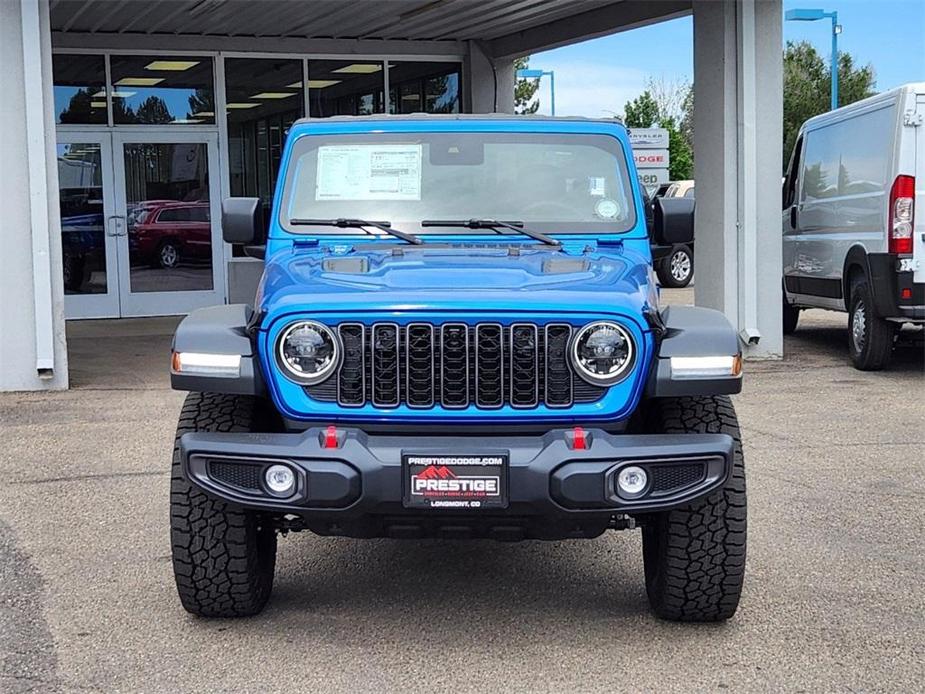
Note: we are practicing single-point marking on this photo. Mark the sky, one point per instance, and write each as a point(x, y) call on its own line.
point(596, 78)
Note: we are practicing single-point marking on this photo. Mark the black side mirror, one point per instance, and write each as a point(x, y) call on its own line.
point(242, 221)
point(674, 221)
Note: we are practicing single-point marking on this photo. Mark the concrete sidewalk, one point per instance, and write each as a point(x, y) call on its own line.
point(833, 599)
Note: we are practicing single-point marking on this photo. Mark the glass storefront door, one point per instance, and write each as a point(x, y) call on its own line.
point(140, 223)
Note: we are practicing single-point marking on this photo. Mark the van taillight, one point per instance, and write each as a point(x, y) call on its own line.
point(902, 214)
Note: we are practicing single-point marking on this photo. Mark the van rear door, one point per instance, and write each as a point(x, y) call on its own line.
point(918, 230)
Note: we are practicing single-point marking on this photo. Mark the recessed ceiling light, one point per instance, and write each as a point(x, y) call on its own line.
point(204, 114)
point(360, 68)
point(186, 120)
point(171, 65)
point(139, 81)
point(411, 97)
point(122, 94)
point(273, 95)
point(321, 84)
point(241, 104)
point(294, 85)
point(97, 104)
point(100, 94)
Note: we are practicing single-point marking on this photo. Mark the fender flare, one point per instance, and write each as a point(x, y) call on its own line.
point(222, 330)
point(693, 331)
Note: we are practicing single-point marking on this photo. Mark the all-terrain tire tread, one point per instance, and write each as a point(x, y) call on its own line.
point(223, 560)
point(695, 555)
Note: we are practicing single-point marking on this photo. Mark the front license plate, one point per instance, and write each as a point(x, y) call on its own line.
point(455, 481)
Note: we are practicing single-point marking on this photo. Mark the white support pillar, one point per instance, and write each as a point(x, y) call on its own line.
point(33, 354)
point(738, 112)
point(490, 81)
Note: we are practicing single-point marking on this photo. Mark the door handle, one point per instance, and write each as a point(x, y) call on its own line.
point(117, 225)
point(793, 217)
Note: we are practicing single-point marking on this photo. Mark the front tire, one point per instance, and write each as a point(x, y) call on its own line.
point(870, 337)
point(694, 556)
point(677, 269)
point(223, 558)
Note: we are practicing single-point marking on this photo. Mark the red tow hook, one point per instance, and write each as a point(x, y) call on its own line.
point(579, 439)
point(330, 437)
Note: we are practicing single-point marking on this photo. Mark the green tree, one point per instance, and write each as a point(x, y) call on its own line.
point(645, 112)
point(153, 110)
point(680, 152)
point(525, 99)
point(641, 112)
point(807, 87)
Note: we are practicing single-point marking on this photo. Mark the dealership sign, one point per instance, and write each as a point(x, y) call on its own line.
point(651, 158)
point(648, 138)
point(650, 152)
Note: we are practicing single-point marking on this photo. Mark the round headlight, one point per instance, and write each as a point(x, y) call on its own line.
point(603, 353)
point(307, 352)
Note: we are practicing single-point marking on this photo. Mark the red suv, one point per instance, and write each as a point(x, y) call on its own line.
point(166, 232)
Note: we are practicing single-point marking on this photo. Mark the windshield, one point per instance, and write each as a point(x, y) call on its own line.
point(554, 183)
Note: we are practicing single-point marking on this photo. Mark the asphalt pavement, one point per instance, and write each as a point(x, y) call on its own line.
point(834, 597)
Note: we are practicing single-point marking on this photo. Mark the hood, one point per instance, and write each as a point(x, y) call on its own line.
point(456, 278)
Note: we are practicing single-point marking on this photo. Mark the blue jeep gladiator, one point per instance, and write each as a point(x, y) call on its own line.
point(457, 335)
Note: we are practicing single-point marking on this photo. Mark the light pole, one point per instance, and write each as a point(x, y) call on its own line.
point(537, 74)
point(812, 16)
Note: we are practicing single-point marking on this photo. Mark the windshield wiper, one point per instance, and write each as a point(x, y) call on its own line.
point(494, 224)
point(343, 223)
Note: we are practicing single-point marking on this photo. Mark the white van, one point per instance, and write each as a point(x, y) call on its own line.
point(852, 240)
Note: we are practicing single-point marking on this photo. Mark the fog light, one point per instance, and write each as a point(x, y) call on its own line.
point(631, 481)
point(280, 479)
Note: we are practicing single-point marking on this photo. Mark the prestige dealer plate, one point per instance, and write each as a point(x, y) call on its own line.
point(455, 481)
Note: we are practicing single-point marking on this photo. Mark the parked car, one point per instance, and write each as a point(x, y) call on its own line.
point(163, 233)
point(851, 239)
point(673, 258)
point(459, 339)
point(680, 189)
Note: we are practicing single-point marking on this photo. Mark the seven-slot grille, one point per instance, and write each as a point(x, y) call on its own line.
point(454, 366)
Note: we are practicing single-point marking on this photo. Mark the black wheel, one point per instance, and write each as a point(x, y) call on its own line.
point(791, 317)
point(694, 556)
point(72, 270)
point(677, 269)
point(223, 558)
point(168, 255)
point(870, 338)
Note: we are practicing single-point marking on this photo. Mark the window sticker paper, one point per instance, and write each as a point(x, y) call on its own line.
point(369, 172)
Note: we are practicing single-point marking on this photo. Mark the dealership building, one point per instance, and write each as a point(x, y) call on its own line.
point(122, 119)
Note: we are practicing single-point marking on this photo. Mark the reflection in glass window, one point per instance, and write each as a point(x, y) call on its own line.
point(83, 241)
point(264, 98)
point(79, 88)
point(162, 90)
point(167, 202)
point(345, 88)
point(427, 87)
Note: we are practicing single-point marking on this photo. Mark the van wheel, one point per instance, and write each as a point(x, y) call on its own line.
point(677, 269)
point(694, 556)
point(223, 558)
point(791, 317)
point(870, 337)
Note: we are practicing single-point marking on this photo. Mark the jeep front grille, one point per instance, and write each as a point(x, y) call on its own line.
point(454, 366)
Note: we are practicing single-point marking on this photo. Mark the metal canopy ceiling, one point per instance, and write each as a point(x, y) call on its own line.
point(337, 19)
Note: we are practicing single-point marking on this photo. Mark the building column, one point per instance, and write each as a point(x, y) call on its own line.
point(738, 130)
point(33, 350)
point(490, 81)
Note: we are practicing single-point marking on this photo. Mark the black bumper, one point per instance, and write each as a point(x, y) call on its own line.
point(896, 296)
point(554, 490)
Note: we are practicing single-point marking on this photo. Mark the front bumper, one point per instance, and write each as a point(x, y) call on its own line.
point(554, 490)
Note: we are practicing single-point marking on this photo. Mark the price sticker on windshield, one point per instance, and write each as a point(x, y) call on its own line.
point(369, 172)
